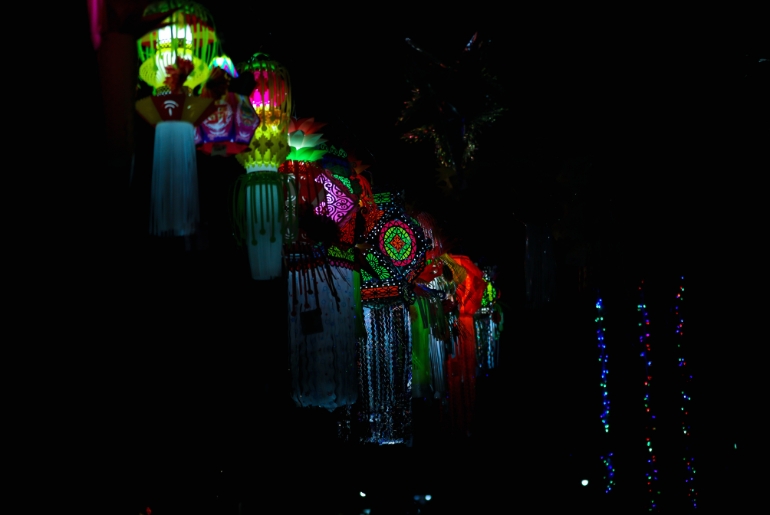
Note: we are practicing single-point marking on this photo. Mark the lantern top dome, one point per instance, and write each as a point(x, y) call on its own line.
point(226, 64)
point(259, 61)
point(187, 32)
point(187, 7)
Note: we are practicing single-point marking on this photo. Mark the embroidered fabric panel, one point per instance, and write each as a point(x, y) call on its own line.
point(379, 292)
point(338, 204)
point(382, 271)
point(397, 241)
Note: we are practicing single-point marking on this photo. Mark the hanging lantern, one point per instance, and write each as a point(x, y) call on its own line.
point(175, 58)
point(338, 167)
point(230, 128)
point(430, 324)
point(489, 325)
point(323, 203)
point(323, 319)
point(260, 199)
point(322, 289)
point(461, 366)
point(187, 33)
point(394, 257)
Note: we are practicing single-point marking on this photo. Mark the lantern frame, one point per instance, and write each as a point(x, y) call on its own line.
point(188, 32)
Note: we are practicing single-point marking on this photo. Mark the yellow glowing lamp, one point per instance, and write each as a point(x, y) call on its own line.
point(187, 32)
point(271, 100)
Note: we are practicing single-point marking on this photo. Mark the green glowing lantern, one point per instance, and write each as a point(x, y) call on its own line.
point(271, 99)
point(175, 58)
point(187, 32)
point(259, 210)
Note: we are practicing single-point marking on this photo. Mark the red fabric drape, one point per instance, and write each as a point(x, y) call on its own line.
point(461, 369)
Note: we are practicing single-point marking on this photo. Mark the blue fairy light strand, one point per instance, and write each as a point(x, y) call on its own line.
point(686, 379)
point(644, 339)
point(605, 415)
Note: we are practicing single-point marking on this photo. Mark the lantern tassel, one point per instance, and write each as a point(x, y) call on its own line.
point(174, 209)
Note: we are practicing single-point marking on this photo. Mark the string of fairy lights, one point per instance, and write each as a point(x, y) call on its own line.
point(605, 415)
point(686, 379)
point(644, 339)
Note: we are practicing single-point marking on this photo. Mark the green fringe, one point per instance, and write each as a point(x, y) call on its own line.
point(421, 371)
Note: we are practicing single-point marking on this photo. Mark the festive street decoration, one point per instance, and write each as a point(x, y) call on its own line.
point(394, 257)
point(609, 478)
point(230, 128)
point(650, 422)
point(174, 207)
point(260, 210)
point(324, 294)
point(686, 380)
point(322, 327)
point(430, 325)
point(324, 202)
point(186, 33)
point(489, 325)
point(175, 58)
point(462, 365)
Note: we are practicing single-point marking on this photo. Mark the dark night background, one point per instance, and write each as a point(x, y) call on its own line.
point(645, 149)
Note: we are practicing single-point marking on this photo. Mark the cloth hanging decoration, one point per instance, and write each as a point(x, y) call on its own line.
point(394, 255)
point(175, 59)
point(303, 164)
point(324, 325)
point(230, 128)
point(268, 196)
point(489, 325)
point(461, 366)
point(174, 209)
point(430, 329)
point(322, 328)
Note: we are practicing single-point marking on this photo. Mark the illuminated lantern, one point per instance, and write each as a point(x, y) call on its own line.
point(340, 170)
point(430, 324)
point(461, 366)
point(175, 58)
point(489, 325)
point(260, 202)
point(323, 314)
point(187, 33)
point(230, 128)
point(394, 257)
point(323, 319)
point(318, 194)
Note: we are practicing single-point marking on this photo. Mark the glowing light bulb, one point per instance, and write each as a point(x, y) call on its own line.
point(584, 482)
